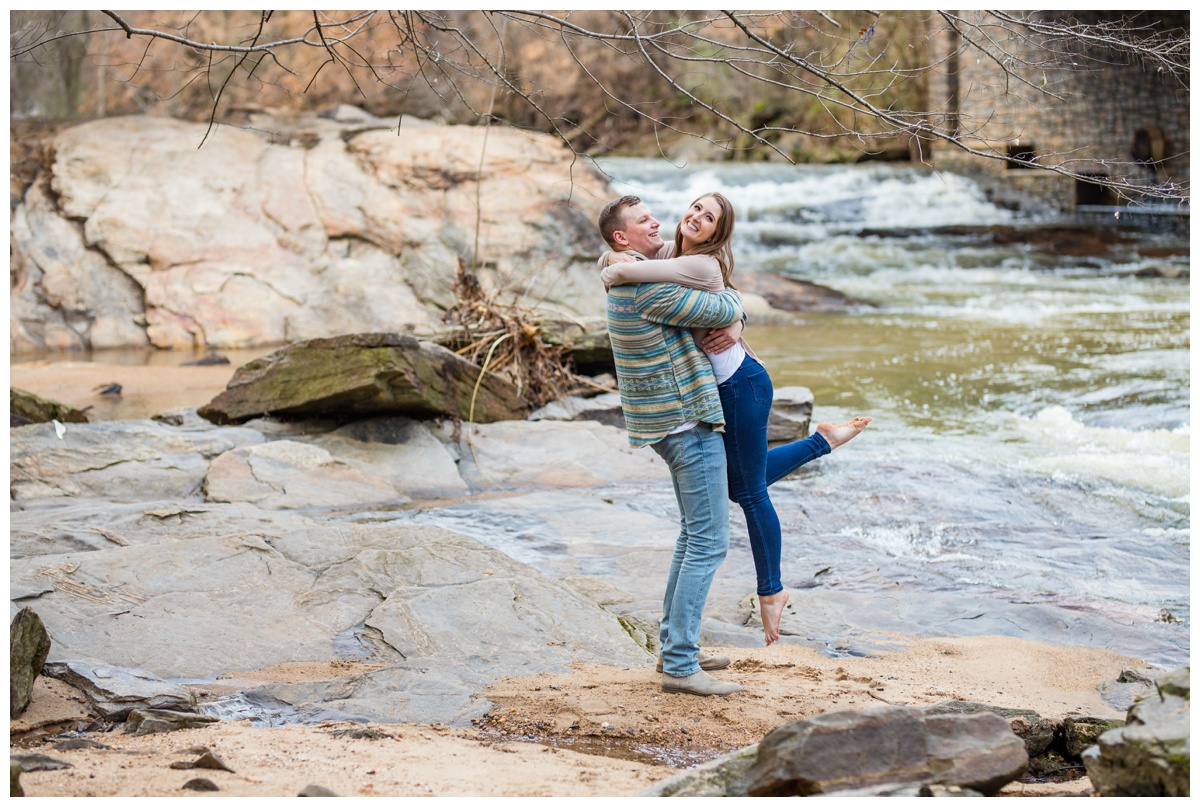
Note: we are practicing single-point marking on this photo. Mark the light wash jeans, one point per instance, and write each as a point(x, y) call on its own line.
point(696, 458)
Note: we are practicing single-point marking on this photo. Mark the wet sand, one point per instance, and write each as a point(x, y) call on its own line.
point(595, 731)
point(146, 390)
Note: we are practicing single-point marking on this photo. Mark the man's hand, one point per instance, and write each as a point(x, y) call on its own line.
point(610, 258)
point(718, 340)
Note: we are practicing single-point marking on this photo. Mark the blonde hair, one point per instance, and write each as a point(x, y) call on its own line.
point(719, 245)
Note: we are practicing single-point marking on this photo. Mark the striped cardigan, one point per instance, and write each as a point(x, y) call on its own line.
point(663, 376)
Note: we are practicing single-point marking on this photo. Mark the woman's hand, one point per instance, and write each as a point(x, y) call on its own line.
point(618, 257)
point(718, 340)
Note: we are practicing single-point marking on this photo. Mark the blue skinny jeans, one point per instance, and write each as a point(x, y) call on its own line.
point(746, 400)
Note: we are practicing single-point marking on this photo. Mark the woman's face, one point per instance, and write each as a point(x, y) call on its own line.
point(700, 221)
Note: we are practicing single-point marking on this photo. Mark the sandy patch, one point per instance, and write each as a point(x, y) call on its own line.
point(599, 731)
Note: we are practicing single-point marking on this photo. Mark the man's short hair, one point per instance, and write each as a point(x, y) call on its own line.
point(612, 217)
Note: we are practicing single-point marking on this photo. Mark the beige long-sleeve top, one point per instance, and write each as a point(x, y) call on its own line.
point(694, 271)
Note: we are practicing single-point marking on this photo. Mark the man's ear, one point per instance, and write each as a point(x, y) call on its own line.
point(620, 238)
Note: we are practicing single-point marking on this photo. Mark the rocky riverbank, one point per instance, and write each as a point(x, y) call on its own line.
point(362, 608)
point(594, 730)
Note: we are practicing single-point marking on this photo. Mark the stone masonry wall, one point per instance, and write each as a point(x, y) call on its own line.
point(1092, 123)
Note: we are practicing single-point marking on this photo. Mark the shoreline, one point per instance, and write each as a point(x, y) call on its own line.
point(533, 742)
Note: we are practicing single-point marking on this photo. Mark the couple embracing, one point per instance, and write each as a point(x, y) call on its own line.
point(693, 390)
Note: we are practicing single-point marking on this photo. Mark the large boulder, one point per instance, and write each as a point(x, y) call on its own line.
point(1034, 730)
point(361, 376)
point(28, 647)
point(290, 229)
point(885, 745)
point(1151, 754)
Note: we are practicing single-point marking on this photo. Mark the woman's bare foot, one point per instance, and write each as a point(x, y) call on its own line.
point(770, 608)
point(842, 433)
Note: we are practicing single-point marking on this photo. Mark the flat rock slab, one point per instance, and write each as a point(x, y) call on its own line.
point(115, 692)
point(364, 375)
point(236, 600)
point(117, 460)
point(419, 690)
point(553, 454)
point(284, 474)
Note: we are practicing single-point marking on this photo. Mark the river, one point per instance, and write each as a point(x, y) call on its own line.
point(1032, 414)
point(1027, 470)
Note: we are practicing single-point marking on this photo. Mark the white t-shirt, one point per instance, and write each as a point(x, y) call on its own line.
point(726, 364)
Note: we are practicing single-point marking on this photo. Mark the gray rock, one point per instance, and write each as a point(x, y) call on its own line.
point(200, 784)
point(584, 342)
point(719, 777)
point(1123, 691)
point(207, 760)
point(117, 460)
point(604, 408)
point(66, 525)
point(1151, 754)
point(28, 647)
point(405, 453)
point(550, 454)
point(791, 294)
point(1080, 733)
point(1036, 731)
point(300, 590)
point(284, 474)
point(154, 721)
point(115, 692)
point(316, 790)
point(905, 791)
point(39, 762)
point(886, 745)
point(414, 691)
point(364, 375)
point(791, 414)
point(25, 407)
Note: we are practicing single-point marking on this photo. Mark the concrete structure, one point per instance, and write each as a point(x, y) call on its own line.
point(1099, 112)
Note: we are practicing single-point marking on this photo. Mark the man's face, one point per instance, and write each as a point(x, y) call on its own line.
point(641, 231)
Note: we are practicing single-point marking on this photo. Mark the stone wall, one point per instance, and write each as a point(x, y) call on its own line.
point(1099, 116)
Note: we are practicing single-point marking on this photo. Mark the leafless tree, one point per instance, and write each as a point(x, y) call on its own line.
point(748, 82)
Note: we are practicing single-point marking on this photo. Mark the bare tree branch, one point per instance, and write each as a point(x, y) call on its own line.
point(741, 80)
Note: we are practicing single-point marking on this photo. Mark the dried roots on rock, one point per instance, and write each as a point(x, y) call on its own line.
point(507, 339)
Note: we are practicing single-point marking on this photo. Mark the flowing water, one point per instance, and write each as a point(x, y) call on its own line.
point(1029, 457)
point(1031, 411)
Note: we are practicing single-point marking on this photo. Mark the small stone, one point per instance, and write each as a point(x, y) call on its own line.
point(75, 743)
point(316, 790)
point(199, 784)
point(39, 762)
point(211, 761)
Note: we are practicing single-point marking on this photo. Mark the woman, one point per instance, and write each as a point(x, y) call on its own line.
point(702, 242)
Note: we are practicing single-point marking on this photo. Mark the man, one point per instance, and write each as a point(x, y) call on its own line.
point(670, 400)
